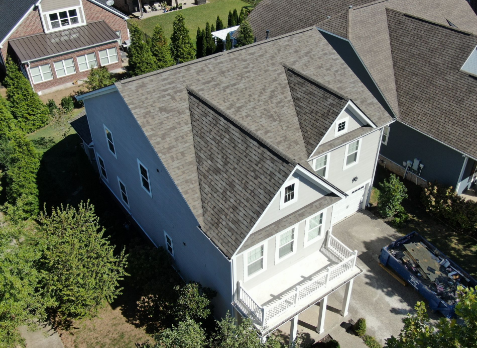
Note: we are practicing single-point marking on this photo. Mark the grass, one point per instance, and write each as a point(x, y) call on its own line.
point(195, 17)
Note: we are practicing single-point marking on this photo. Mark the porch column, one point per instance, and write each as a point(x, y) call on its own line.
point(293, 330)
point(347, 298)
point(321, 316)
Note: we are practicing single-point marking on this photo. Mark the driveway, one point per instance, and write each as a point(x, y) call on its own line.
point(376, 295)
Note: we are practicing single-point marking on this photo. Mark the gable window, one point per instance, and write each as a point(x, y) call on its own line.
point(86, 62)
point(314, 228)
point(341, 126)
point(289, 193)
point(108, 56)
point(63, 18)
point(385, 138)
point(255, 260)
point(109, 139)
point(352, 154)
point(144, 176)
point(286, 243)
point(169, 245)
point(321, 165)
point(124, 193)
point(102, 168)
point(65, 67)
point(41, 73)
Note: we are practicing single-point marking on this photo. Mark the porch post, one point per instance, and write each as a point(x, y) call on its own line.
point(293, 330)
point(321, 316)
point(347, 298)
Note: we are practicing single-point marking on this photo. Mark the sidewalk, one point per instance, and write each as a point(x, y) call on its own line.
point(45, 337)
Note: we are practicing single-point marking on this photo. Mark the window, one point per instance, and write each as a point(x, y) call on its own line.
point(63, 18)
point(102, 169)
point(144, 176)
point(341, 126)
point(289, 193)
point(321, 165)
point(255, 260)
point(109, 139)
point(65, 67)
point(286, 243)
point(41, 73)
point(385, 138)
point(169, 245)
point(352, 152)
point(108, 56)
point(87, 62)
point(124, 193)
point(313, 230)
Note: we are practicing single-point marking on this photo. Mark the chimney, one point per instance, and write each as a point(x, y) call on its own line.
point(268, 33)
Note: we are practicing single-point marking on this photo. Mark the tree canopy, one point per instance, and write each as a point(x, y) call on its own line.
point(160, 49)
point(182, 49)
point(141, 60)
point(245, 34)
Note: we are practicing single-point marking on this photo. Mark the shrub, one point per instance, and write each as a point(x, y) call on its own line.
point(52, 106)
point(371, 342)
point(360, 327)
point(392, 192)
point(67, 104)
point(99, 78)
point(332, 344)
point(400, 218)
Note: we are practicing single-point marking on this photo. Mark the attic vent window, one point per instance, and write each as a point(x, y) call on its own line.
point(470, 65)
point(341, 126)
point(289, 193)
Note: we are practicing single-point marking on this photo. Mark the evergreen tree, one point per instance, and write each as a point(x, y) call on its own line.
point(228, 42)
point(199, 43)
point(210, 48)
point(204, 44)
point(160, 49)
point(25, 105)
point(211, 44)
point(236, 17)
point(99, 78)
point(243, 16)
point(230, 20)
point(245, 34)
point(219, 24)
point(181, 45)
point(141, 60)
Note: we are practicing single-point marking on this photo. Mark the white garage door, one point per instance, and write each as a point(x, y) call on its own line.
point(348, 206)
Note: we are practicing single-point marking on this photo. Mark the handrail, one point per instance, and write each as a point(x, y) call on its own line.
point(335, 245)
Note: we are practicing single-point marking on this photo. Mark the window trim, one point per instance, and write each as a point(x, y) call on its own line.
point(166, 244)
point(290, 182)
point(245, 260)
point(106, 130)
point(306, 242)
point(121, 192)
point(327, 165)
point(98, 158)
point(277, 244)
point(139, 164)
point(109, 60)
point(341, 120)
point(87, 61)
point(79, 11)
point(386, 131)
point(345, 166)
point(41, 73)
point(64, 67)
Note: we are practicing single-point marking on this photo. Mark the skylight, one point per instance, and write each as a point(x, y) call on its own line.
point(470, 65)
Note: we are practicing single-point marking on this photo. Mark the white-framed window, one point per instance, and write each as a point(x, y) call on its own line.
point(255, 260)
point(289, 193)
point(385, 138)
point(341, 126)
point(41, 73)
point(286, 244)
point(108, 56)
point(102, 168)
point(144, 177)
point(314, 227)
point(169, 245)
point(352, 154)
point(64, 18)
point(321, 165)
point(124, 192)
point(87, 62)
point(110, 141)
point(65, 67)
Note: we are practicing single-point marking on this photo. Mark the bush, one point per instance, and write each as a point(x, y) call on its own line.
point(360, 327)
point(99, 78)
point(400, 218)
point(332, 344)
point(52, 106)
point(67, 104)
point(371, 342)
point(392, 192)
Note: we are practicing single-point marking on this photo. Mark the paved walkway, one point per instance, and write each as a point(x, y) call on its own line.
point(376, 296)
point(45, 337)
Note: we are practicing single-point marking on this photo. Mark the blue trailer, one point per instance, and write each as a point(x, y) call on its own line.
point(428, 270)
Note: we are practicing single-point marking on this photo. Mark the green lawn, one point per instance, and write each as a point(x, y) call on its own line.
point(195, 17)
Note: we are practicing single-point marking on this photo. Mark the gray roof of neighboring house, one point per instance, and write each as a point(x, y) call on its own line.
point(11, 12)
point(434, 96)
point(81, 126)
point(250, 83)
point(39, 46)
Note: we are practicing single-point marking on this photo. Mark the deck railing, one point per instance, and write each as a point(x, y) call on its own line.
point(261, 315)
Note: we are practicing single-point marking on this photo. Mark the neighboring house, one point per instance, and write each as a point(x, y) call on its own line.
point(240, 163)
point(56, 43)
point(423, 81)
point(222, 35)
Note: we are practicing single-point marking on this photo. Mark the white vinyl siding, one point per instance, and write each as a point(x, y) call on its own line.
point(86, 62)
point(108, 56)
point(341, 126)
point(352, 154)
point(65, 67)
point(41, 73)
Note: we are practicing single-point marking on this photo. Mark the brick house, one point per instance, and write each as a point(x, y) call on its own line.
point(56, 43)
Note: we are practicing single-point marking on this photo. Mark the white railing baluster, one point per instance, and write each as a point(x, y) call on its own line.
point(328, 271)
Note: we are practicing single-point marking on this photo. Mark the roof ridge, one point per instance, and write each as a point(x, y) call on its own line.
point(272, 148)
point(359, 7)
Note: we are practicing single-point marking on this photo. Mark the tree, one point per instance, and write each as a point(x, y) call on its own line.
point(7, 122)
point(187, 334)
point(219, 24)
point(419, 331)
point(25, 105)
point(199, 43)
point(141, 60)
point(231, 21)
point(193, 302)
point(228, 43)
point(182, 49)
point(99, 78)
point(236, 17)
point(245, 34)
point(392, 192)
point(243, 16)
point(160, 49)
point(80, 269)
point(209, 40)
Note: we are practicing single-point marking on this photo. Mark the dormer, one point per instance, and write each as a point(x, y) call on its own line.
point(59, 15)
point(470, 65)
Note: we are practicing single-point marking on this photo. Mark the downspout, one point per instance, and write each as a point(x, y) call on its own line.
point(461, 174)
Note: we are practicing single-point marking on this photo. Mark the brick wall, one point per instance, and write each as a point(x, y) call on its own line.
point(79, 75)
point(95, 13)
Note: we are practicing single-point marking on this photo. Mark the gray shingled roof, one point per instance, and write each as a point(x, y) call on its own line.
point(434, 96)
point(250, 83)
point(81, 126)
point(11, 12)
